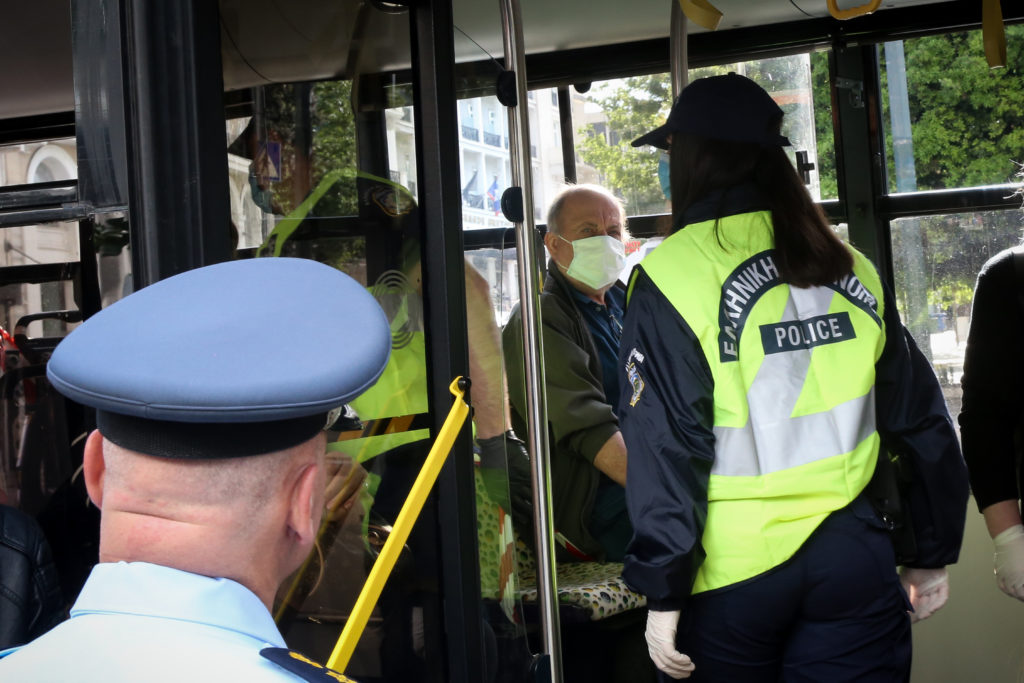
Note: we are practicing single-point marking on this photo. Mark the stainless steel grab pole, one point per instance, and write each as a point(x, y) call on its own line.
point(678, 62)
point(529, 303)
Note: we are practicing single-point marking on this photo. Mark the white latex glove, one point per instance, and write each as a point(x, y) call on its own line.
point(928, 590)
point(1009, 561)
point(661, 644)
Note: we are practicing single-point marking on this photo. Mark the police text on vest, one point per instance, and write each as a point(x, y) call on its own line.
point(791, 335)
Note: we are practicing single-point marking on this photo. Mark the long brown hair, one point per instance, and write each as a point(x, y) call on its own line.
point(807, 251)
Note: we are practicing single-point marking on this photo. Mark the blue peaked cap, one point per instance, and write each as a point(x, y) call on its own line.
point(231, 359)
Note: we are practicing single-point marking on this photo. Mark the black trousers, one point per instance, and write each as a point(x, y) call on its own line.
point(835, 612)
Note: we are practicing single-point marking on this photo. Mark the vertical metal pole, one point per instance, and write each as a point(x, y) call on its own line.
point(678, 60)
point(529, 303)
point(567, 133)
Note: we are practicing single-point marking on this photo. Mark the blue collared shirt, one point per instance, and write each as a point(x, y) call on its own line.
point(143, 622)
point(605, 325)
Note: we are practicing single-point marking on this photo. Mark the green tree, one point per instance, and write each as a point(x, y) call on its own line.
point(967, 119)
point(334, 145)
point(633, 108)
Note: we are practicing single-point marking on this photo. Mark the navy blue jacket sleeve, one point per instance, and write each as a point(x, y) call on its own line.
point(913, 422)
point(666, 414)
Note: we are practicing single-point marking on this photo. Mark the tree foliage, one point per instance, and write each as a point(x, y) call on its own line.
point(635, 107)
point(967, 119)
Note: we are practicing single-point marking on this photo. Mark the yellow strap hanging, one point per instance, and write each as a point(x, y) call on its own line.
point(851, 12)
point(374, 584)
point(993, 33)
point(702, 13)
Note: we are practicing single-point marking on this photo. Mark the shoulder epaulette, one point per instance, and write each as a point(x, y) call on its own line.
point(302, 666)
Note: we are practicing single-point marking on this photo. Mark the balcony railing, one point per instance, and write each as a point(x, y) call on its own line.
point(470, 133)
point(493, 139)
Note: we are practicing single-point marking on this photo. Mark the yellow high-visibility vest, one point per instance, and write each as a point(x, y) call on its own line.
point(794, 401)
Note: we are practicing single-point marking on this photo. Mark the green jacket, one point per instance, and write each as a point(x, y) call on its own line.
point(580, 417)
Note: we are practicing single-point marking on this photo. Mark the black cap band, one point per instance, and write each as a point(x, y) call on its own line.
point(206, 441)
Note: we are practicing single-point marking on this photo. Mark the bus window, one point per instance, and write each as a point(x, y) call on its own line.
point(38, 162)
point(614, 113)
point(38, 244)
point(950, 121)
point(607, 118)
point(795, 84)
point(936, 260)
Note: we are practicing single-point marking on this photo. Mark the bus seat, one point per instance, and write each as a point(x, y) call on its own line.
point(587, 591)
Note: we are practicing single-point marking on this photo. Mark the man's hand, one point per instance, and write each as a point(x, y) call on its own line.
point(1009, 561)
point(661, 644)
point(928, 590)
point(514, 491)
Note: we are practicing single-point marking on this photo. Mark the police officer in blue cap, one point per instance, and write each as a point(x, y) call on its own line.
point(208, 467)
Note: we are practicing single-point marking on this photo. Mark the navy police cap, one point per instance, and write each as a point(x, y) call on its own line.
point(729, 107)
point(233, 359)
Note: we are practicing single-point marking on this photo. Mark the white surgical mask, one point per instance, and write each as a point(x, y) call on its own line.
point(596, 261)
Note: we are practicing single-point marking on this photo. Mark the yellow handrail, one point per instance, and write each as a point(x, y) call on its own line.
point(378, 576)
point(851, 12)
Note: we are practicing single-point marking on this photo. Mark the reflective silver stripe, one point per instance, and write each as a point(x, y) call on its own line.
point(773, 440)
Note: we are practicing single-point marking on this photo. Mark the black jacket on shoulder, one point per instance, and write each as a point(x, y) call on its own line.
point(30, 597)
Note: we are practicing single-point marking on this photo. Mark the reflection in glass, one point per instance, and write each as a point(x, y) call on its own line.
point(38, 162)
point(483, 143)
point(936, 260)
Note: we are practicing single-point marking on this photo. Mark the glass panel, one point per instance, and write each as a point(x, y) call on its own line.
point(483, 144)
point(34, 309)
point(607, 118)
point(936, 260)
point(790, 82)
point(37, 244)
point(950, 121)
point(501, 474)
point(298, 152)
point(614, 113)
point(113, 256)
point(38, 162)
point(824, 133)
point(25, 307)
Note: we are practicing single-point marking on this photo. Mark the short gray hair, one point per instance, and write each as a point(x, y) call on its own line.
point(555, 209)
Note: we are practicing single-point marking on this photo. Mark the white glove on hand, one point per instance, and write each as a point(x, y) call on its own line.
point(928, 590)
point(661, 644)
point(1009, 561)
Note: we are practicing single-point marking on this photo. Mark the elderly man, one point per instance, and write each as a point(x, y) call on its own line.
point(581, 308)
point(208, 467)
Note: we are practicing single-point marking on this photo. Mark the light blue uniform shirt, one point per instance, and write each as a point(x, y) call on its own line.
point(143, 622)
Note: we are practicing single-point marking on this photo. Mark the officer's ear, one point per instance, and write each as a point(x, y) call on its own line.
point(94, 467)
point(303, 514)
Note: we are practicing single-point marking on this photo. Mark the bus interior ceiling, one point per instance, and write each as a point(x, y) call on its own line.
point(276, 41)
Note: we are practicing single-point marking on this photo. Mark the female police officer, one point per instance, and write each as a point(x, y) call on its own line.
point(765, 367)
